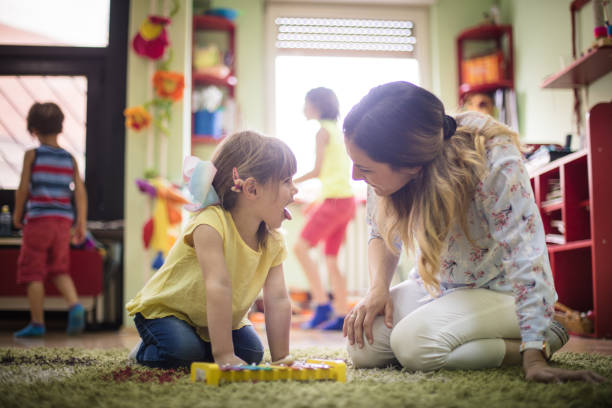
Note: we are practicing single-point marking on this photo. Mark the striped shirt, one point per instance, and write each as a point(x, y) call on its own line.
point(51, 184)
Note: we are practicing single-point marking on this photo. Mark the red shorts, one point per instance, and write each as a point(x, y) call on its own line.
point(45, 249)
point(328, 223)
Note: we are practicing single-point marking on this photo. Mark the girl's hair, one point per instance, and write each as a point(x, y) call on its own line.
point(266, 159)
point(326, 102)
point(46, 118)
point(402, 125)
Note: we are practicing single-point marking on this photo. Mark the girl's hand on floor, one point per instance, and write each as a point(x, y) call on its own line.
point(229, 359)
point(537, 369)
point(361, 318)
point(287, 360)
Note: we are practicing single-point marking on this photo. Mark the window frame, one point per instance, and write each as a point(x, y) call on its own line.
point(419, 14)
point(106, 72)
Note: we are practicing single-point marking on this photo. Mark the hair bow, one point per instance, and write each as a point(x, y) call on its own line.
point(198, 175)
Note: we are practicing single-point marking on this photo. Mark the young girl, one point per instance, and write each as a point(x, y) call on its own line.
point(329, 220)
point(195, 307)
point(456, 189)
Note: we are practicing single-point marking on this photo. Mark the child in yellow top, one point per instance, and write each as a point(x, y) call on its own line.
point(329, 220)
point(195, 307)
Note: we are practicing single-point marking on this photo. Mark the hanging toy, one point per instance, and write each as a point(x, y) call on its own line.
point(151, 40)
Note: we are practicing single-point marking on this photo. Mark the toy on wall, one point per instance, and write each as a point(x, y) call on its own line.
point(151, 40)
point(309, 370)
point(169, 85)
point(137, 118)
point(160, 232)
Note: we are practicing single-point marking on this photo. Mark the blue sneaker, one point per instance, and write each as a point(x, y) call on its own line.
point(334, 324)
point(31, 330)
point(322, 314)
point(76, 319)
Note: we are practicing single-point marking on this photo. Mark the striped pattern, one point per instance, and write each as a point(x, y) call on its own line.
point(51, 184)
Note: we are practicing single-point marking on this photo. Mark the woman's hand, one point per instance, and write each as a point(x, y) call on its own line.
point(361, 318)
point(229, 359)
point(537, 369)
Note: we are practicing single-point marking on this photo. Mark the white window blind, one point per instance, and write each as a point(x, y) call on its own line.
point(345, 34)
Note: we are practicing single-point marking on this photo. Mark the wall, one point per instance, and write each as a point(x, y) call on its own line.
point(542, 35)
point(137, 206)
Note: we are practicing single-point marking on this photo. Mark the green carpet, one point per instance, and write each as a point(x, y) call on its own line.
point(64, 377)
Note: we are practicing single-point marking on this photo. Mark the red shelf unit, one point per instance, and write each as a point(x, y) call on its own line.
point(582, 267)
point(205, 139)
point(486, 32)
point(596, 63)
point(215, 23)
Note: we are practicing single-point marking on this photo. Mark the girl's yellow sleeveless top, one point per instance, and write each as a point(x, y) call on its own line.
point(336, 169)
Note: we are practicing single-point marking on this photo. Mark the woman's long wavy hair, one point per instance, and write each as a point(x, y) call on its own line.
point(402, 125)
point(264, 158)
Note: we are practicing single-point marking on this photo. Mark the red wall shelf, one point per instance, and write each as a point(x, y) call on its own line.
point(572, 245)
point(486, 32)
point(199, 78)
point(591, 66)
point(207, 22)
point(205, 139)
point(203, 23)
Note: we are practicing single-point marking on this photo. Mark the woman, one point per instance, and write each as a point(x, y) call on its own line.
point(456, 191)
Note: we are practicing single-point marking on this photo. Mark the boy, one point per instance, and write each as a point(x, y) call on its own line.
point(49, 176)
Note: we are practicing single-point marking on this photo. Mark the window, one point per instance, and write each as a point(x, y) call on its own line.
point(87, 81)
point(17, 94)
point(74, 23)
point(349, 50)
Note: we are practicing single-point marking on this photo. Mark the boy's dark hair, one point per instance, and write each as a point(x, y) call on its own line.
point(46, 118)
point(326, 102)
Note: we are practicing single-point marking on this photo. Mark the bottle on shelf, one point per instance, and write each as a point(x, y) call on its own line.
point(6, 221)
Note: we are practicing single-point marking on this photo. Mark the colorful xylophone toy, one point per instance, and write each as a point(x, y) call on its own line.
point(309, 370)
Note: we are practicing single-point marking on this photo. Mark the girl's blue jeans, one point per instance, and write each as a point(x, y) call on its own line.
point(169, 342)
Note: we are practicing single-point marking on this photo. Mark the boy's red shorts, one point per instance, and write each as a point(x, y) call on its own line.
point(328, 223)
point(45, 249)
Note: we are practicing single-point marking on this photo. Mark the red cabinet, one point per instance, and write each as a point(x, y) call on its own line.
point(574, 195)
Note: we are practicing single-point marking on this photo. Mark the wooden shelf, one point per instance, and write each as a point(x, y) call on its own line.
point(594, 64)
point(501, 35)
point(556, 206)
point(555, 164)
point(212, 23)
point(467, 88)
point(581, 265)
point(230, 81)
point(205, 139)
point(570, 246)
point(484, 32)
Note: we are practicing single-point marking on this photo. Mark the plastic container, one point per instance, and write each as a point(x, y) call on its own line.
point(207, 123)
point(6, 222)
point(228, 13)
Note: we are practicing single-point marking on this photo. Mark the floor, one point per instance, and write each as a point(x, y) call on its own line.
point(127, 338)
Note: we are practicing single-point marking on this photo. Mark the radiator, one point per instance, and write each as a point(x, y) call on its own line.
point(352, 258)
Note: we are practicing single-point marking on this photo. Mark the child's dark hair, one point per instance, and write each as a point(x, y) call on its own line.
point(326, 102)
point(253, 155)
point(45, 118)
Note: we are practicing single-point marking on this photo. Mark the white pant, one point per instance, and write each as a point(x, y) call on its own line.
point(462, 330)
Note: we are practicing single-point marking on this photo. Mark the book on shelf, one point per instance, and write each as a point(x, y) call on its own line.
point(552, 202)
point(555, 239)
point(558, 224)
